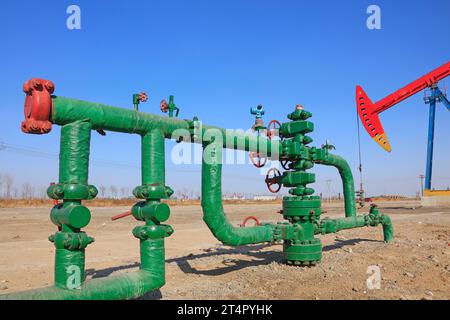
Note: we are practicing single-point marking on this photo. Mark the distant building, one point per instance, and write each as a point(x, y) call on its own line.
point(234, 196)
point(264, 197)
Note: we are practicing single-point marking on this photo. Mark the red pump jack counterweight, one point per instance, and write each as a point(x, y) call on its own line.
point(369, 112)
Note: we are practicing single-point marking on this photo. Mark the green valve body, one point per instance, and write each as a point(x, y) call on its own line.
point(301, 208)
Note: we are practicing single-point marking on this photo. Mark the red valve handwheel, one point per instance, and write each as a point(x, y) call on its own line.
point(248, 219)
point(272, 126)
point(271, 181)
point(257, 160)
point(164, 106)
point(143, 97)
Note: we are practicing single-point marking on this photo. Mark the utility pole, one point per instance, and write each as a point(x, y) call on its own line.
point(421, 177)
point(328, 182)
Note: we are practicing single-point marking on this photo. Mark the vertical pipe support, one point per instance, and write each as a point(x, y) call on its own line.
point(70, 215)
point(152, 211)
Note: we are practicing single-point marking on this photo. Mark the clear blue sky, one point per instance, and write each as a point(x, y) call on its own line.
point(219, 58)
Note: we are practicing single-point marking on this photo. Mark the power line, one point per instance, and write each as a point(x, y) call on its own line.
point(33, 152)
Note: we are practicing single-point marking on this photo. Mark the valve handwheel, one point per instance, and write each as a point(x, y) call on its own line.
point(143, 97)
point(273, 180)
point(257, 160)
point(271, 127)
point(164, 106)
point(248, 219)
point(285, 164)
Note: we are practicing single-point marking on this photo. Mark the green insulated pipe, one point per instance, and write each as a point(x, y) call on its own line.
point(153, 161)
point(72, 215)
point(372, 219)
point(126, 286)
point(74, 152)
point(104, 117)
point(348, 185)
point(213, 213)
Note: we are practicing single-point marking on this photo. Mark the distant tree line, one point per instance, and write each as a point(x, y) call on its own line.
point(9, 189)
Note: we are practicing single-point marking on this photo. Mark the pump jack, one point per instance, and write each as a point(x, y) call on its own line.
point(369, 112)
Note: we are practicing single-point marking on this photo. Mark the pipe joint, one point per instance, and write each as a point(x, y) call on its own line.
point(152, 231)
point(71, 240)
point(72, 191)
point(153, 192)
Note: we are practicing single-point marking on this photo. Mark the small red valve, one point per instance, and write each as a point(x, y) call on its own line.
point(257, 160)
point(38, 106)
point(143, 97)
point(273, 129)
point(273, 180)
point(164, 105)
point(248, 219)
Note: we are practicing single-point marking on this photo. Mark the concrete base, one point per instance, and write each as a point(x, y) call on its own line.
point(438, 198)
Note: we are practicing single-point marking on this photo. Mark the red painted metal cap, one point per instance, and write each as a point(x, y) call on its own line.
point(38, 106)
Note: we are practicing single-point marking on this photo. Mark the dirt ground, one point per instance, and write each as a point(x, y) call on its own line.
point(415, 266)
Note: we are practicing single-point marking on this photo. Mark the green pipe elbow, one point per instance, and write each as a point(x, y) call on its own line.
point(213, 213)
point(348, 184)
point(388, 229)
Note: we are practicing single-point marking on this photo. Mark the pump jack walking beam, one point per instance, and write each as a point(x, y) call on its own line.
point(369, 112)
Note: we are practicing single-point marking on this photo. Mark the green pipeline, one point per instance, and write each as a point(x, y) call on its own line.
point(104, 117)
point(336, 225)
point(213, 213)
point(348, 185)
point(125, 286)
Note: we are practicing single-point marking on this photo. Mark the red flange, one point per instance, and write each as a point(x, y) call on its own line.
point(275, 180)
point(38, 106)
point(248, 219)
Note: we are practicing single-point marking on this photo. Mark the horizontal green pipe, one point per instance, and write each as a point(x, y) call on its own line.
point(116, 119)
point(213, 213)
point(336, 225)
point(348, 184)
point(126, 286)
